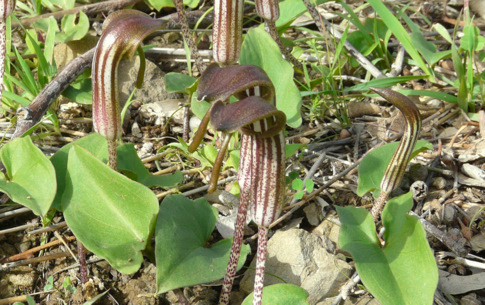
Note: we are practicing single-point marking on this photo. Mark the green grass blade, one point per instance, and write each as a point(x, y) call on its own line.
point(400, 33)
point(16, 98)
point(383, 82)
point(26, 74)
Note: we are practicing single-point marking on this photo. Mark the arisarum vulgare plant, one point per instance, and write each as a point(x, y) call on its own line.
point(400, 267)
point(261, 169)
point(123, 31)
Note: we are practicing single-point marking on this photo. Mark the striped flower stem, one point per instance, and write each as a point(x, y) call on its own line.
point(397, 166)
point(227, 33)
point(6, 8)
point(235, 249)
point(260, 263)
point(261, 181)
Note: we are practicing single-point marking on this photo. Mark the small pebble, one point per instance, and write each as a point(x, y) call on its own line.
point(470, 299)
point(439, 183)
point(194, 123)
point(136, 131)
point(345, 134)
point(449, 214)
point(418, 172)
point(434, 103)
point(171, 37)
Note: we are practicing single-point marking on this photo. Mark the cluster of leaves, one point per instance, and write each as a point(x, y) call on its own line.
point(114, 216)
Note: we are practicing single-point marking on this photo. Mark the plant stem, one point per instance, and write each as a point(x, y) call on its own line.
point(218, 164)
point(112, 155)
point(3, 33)
point(82, 262)
point(31, 115)
point(379, 205)
point(273, 31)
point(235, 249)
point(179, 4)
point(260, 262)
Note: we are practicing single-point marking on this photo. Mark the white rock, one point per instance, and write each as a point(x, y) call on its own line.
point(473, 171)
point(153, 88)
point(160, 111)
point(303, 259)
point(458, 284)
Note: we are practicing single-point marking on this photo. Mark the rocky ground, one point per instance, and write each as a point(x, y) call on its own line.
point(303, 249)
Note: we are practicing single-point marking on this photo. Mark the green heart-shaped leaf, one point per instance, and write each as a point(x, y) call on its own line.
point(281, 294)
point(110, 214)
point(402, 272)
point(94, 143)
point(372, 167)
point(183, 228)
point(72, 30)
point(178, 82)
point(130, 164)
point(30, 179)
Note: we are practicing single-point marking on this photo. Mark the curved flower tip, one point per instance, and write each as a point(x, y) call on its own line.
point(123, 32)
point(219, 84)
point(395, 170)
point(241, 115)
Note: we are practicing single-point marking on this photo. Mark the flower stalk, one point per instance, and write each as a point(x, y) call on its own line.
point(6, 9)
point(269, 10)
point(179, 5)
point(395, 169)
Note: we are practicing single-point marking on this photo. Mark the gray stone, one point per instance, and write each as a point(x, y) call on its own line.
point(22, 276)
point(159, 112)
point(304, 259)
point(329, 229)
point(153, 89)
point(313, 213)
point(439, 183)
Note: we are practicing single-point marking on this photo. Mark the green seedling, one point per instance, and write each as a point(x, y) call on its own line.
point(301, 187)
